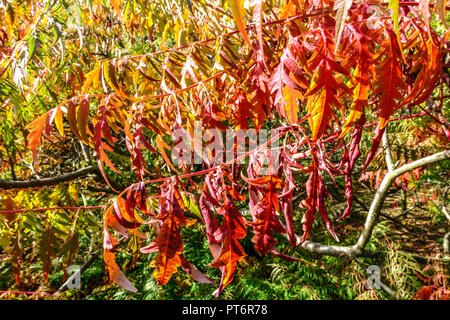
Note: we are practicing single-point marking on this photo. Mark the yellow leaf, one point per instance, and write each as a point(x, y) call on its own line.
point(394, 5)
point(162, 146)
point(59, 121)
point(116, 6)
point(319, 107)
point(109, 76)
point(74, 193)
point(291, 108)
point(237, 8)
point(92, 80)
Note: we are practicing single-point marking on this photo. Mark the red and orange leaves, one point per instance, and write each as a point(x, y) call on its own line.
point(216, 194)
point(231, 230)
point(169, 246)
point(325, 84)
point(124, 218)
point(294, 67)
point(359, 55)
point(168, 242)
point(432, 292)
point(121, 216)
point(135, 140)
point(309, 71)
point(109, 242)
point(115, 274)
point(288, 82)
point(316, 194)
point(265, 213)
point(389, 83)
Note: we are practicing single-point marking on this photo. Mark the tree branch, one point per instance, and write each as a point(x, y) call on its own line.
point(387, 151)
point(380, 195)
point(374, 211)
point(91, 260)
point(446, 243)
point(5, 184)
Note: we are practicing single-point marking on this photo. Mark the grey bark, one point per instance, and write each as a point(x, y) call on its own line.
point(12, 184)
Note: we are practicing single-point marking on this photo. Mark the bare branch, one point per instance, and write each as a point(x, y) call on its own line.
point(444, 203)
point(380, 195)
point(374, 211)
point(447, 243)
point(65, 285)
point(336, 251)
point(387, 151)
point(5, 184)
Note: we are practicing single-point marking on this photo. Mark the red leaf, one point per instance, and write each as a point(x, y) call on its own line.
point(168, 242)
point(389, 83)
point(170, 247)
point(115, 274)
point(265, 211)
point(351, 158)
point(233, 228)
point(193, 272)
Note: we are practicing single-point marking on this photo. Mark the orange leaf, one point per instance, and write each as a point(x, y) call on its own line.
point(162, 146)
point(237, 9)
point(115, 274)
point(170, 247)
point(34, 137)
point(59, 120)
point(82, 120)
point(116, 6)
point(232, 229)
point(291, 107)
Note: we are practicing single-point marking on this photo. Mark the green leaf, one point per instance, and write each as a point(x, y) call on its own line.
point(31, 47)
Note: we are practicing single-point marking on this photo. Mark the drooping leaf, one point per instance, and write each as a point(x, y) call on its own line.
point(59, 120)
point(342, 7)
point(47, 244)
point(115, 273)
point(168, 242)
point(34, 137)
point(389, 83)
point(265, 211)
point(441, 7)
point(231, 230)
point(193, 272)
point(92, 80)
point(237, 8)
point(394, 5)
point(324, 86)
point(82, 120)
point(170, 247)
point(162, 146)
point(291, 108)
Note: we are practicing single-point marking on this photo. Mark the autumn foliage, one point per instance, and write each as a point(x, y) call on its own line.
point(318, 71)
